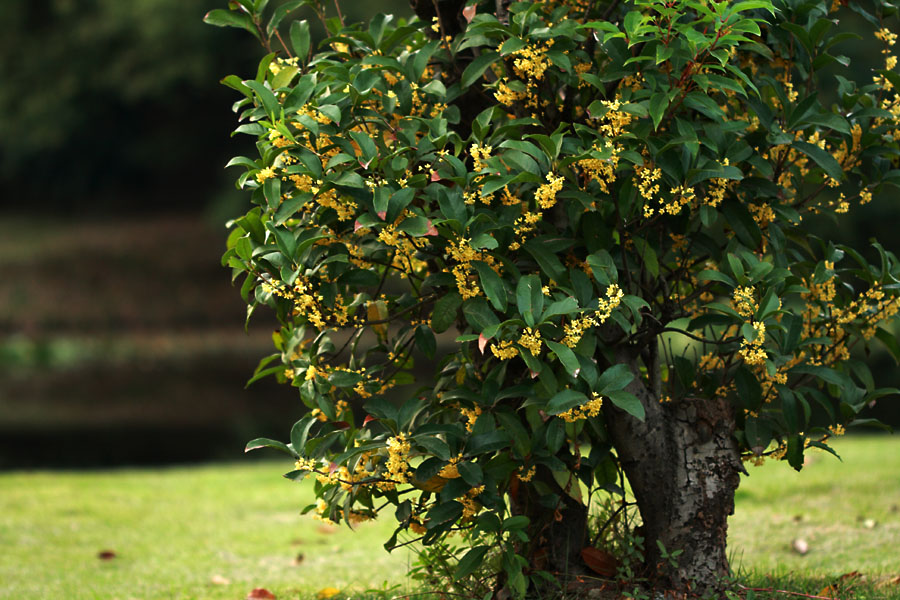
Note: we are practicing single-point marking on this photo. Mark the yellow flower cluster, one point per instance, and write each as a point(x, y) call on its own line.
point(471, 415)
point(480, 153)
point(523, 226)
point(614, 121)
point(265, 173)
point(279, 64)
point(744, 302)
point(574, 330)
point(546, 193)
point(451, 471)
point(890, 61)
point(506, 95)
point(397, 466)
point(528, 475)
point(591, 408)
point(304, 298)
point(614, 295)
point(753, 352)
point(531, 61)
point(711, 362)
point(602, 170)
point(681, 197)
point(345, 207)
point(762, 213)
point(504, 350)
point(887, 36)
point(717, 188)
point(531, 341)
point(647, 188)
point(470, 505)
point(463, 254)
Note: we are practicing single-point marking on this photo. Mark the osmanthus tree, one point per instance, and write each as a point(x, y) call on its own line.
point(591, 215)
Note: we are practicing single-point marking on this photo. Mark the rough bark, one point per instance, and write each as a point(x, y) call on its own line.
point(682, 463)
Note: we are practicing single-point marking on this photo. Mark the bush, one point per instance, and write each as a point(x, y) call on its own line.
point(604, 203)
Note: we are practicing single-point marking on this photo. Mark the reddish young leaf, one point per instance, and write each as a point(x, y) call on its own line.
point(469, 13)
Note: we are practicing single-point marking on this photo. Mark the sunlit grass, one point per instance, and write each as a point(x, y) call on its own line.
point(848, 512)
point(177, 532)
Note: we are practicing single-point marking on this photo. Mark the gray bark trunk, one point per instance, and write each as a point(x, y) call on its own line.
point(682, 463)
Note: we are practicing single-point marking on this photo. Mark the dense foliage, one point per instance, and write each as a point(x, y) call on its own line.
point(599, 203)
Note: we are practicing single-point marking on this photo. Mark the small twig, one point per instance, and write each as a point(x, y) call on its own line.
point(337, 7)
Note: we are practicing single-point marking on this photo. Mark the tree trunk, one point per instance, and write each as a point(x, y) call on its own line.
point(682, 463)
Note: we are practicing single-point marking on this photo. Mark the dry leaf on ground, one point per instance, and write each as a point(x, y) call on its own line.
point(260, 594)
point(327, 592)
point(600, 562)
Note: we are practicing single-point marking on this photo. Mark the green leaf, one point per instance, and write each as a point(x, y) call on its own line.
point(446, 512)
point(659, 102)
point(226, 18)
point(267, 443)
point(530, 298)
point(566, 306)
point(628, 402)
point(822, 158)
point(565, 400)
point(470, 562)
point(479, 314)
point(546, 260)
point(445, 309)
point(647, 255)
point(566, 357)
point(614, 378)
point(300, 432)
point(603, 267)
point(266, 98)
point(485, 443)
point(477, 67)
point(280, 13)
point(492, 285)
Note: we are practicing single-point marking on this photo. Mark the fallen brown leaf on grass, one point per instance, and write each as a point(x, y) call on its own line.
point(106, 555)
point(327, 592)
point(298, 559)
point(600, 562)
point(260, 594)
point(219, 580)
point(326, 529)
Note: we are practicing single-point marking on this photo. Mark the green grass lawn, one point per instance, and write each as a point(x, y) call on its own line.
point(180, 533)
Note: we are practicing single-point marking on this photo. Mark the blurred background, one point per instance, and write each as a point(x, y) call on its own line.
point(121, 337)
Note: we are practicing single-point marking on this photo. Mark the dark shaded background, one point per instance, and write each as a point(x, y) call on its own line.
point(121, 338)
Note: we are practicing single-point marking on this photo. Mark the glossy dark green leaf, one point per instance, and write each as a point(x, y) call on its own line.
point(492, 285)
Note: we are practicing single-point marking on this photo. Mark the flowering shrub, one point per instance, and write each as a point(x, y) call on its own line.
point(602, 205)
